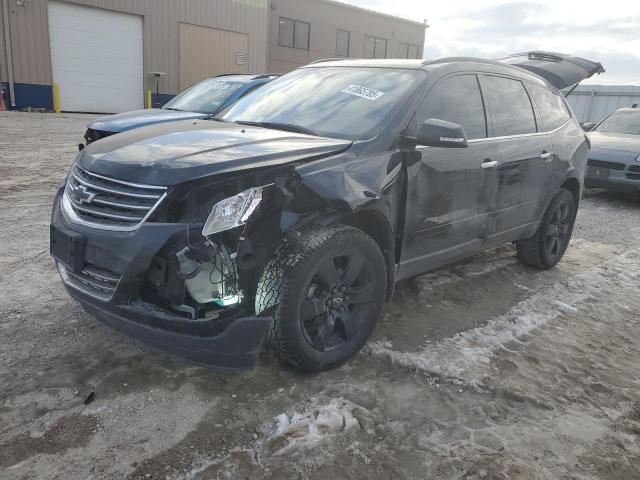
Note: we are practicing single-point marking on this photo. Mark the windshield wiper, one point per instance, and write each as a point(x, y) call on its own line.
point(287, 127)
point(173, 109)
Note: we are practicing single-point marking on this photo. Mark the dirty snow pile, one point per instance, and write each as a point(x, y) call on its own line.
point(315, 423)
point(467, 355)
point(309, 427)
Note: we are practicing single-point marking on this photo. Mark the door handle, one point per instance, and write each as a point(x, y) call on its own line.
point(546, 155)
point(489, 163)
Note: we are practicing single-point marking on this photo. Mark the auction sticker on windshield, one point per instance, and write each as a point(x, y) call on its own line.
point(363, 92)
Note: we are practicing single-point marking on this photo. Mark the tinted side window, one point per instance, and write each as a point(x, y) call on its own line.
point(458, 100)
point(551, 107)
point(510, 105)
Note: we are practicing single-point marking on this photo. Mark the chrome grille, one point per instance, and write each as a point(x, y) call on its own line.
point(101, 202)
point(94, 281)
point(605, 164)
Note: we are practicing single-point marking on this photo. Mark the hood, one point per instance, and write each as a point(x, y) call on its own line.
point(141, 118)
point(169, 154)
point(620, 145)
point(558, 69)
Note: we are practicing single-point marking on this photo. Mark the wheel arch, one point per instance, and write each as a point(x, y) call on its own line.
point(573, 185)
point(375, 224)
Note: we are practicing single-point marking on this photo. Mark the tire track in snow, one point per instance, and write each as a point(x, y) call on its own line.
point(467, 355)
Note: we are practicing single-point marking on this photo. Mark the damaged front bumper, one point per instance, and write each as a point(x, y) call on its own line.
point(108, 275)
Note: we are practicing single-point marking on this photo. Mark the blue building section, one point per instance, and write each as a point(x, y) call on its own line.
point(159, 99)
point(41, 96)
point(29, 95)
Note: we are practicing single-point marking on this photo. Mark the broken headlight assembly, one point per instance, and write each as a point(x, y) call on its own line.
point(233, 211)
point(208, 266)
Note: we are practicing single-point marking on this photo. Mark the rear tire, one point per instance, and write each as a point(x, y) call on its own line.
point(326, 289)
point(547, 247)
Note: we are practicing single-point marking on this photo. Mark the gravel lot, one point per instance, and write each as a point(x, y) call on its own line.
point(485, 370)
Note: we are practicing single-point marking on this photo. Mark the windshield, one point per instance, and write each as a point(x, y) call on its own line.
point(340, 102)
point(621, 122)
point(204, 97)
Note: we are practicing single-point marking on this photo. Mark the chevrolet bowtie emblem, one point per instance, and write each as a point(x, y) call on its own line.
point(82, 195)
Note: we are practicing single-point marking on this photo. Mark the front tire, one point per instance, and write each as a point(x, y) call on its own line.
point(326, 288)
point(547, 247)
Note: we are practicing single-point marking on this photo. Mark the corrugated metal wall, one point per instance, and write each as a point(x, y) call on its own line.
point(325, 18)
point(591, 103)
point(198, 60)
point(30, 43)
point(30, 33)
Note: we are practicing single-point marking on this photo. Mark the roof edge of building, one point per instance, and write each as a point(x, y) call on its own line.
point(374, 12)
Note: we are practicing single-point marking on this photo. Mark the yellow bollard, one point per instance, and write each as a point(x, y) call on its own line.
point(56, 98)
point(149, 99)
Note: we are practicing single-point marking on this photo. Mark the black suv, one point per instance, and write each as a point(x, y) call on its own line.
point(292, 215)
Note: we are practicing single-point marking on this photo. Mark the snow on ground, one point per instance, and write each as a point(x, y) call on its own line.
point(477, 268)
point(310, 426)
point(466, 355)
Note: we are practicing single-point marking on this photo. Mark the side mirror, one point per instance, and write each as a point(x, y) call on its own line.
point(438, 133)
point(588, 126)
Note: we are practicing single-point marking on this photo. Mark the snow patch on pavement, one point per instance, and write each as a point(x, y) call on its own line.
point(471, 270)
point(468, 355)
point(313, 424)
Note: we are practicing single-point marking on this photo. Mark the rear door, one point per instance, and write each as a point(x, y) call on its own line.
point(450, 198)
point(564, 133)
point(524, 152)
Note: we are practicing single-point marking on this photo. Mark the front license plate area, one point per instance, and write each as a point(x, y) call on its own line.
point(68, 247)
point(596, 172)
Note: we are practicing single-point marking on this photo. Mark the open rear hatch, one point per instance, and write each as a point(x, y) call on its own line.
point(558, 69)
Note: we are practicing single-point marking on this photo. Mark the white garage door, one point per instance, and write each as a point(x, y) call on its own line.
point(96, 57)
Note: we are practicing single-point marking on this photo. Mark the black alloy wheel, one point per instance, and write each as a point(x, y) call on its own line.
point(325, 289)
point(558, 229)
point(336, 301)
point(547, 247)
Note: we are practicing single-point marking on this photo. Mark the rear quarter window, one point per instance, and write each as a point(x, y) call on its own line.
point(552, 108)
point(510, 106)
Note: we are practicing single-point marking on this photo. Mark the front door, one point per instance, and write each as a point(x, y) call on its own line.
point(450, 191)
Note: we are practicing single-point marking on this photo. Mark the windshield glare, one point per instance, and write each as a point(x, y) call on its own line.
point(340, 102)
point(204, 97)
point(621, 122)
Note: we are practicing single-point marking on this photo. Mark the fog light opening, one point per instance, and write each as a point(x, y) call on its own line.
point(216, 280)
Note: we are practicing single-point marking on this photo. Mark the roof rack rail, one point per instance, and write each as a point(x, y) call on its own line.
point(336, 59)
point(266, 75)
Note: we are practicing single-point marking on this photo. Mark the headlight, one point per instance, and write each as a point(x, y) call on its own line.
point(233, 211)
point(638, 158)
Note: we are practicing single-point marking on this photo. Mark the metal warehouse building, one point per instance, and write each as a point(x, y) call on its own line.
point(103, 55)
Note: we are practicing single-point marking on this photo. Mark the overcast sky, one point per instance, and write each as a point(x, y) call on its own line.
point(607, 31)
